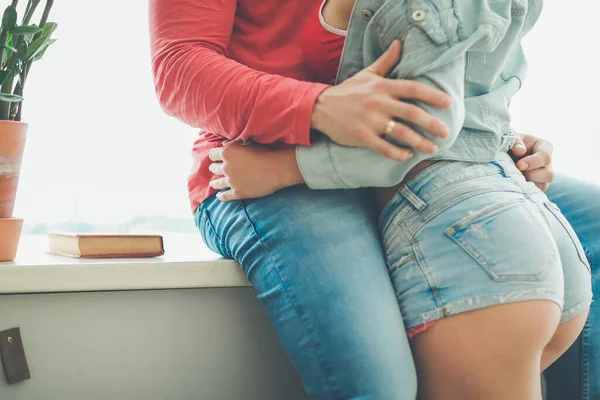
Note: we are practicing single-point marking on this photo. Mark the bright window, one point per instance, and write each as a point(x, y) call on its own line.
point(560, 100)
point(101, 151)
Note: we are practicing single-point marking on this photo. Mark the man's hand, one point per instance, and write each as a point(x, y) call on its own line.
point(251, 171)
point(533, 157)
point(357, 111)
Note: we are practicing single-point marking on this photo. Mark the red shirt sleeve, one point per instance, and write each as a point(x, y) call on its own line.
point(197, 83)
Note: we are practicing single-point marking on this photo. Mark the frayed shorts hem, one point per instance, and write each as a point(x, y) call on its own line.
point(576, 310)
point(481, 302)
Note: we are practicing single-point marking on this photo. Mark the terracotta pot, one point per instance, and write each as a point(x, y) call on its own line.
point(12, 145)
point(10, 232)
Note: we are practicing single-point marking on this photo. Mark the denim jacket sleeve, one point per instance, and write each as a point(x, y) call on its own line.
point(435, 42)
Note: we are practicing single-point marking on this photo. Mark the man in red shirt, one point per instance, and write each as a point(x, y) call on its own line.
point(235, 70)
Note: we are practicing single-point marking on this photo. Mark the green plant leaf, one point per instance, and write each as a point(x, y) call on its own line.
point(22, 52)
point(11, 72)
point(11, 98)
point(3, 75)
point(35, 46)
point(7, 54)
point(28, 38)
point(9, 48)
point(9, 19)
point(49, 28)
point(42, 50)
point(25, 30)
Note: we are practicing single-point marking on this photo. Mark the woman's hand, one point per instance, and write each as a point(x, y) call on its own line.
point(534, 158)
point(251, 171)
point(357, 111)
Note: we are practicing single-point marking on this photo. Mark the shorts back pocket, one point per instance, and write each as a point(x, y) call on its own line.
point(510, 240)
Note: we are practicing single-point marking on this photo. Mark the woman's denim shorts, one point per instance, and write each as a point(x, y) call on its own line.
point(463, 236)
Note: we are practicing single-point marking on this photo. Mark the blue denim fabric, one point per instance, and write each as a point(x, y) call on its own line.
point(576, 375)
point(315, 260)
point(456, 220)
point(317, 265)
point(470, 49)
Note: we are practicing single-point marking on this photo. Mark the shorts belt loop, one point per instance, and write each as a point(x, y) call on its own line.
point(501, 168)
point(413, 199)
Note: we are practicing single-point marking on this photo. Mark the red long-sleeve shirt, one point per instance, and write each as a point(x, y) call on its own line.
point(234, 69)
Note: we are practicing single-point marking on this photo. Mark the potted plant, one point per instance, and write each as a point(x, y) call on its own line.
point(21, 44)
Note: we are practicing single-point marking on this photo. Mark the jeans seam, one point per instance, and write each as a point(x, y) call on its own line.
point(427, 273)
point(585, 382)
point(208, 225)
point(326, 369)
point(562, 220)
point(588, 253)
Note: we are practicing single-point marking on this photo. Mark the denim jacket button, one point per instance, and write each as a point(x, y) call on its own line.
point(419, 15)
point(366, 15)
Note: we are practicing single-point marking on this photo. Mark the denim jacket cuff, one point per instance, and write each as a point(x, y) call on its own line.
point(316, 166)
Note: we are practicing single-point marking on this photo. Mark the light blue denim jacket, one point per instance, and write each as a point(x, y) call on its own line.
point(471, 49)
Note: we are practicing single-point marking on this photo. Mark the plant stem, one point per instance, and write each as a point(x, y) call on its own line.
point(46, 13)
point(29, 10)
point(18, 92)
point(7, 85)
point(25, 74)
point(4, 36)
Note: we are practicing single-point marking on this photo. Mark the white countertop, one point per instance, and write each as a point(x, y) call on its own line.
point(187, 263)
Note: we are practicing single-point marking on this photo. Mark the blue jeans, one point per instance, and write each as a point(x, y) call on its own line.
point(316, 262)
point(576, 375)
